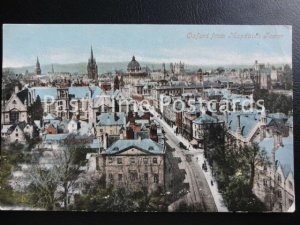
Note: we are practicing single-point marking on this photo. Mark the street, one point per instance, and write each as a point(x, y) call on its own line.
point(199, 188)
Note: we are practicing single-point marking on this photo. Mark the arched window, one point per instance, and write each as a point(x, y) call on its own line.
point(14, 102)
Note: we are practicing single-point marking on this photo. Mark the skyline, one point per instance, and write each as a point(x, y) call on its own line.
point(191, 44)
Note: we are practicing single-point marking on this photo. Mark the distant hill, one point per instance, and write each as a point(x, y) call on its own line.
point(81, 68)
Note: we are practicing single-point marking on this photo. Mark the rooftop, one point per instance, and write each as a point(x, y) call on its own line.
point(109, 119)
point(146, 145)
point(284, 155)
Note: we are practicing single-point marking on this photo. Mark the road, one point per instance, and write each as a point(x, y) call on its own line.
point(199, 189)
point(200, 193)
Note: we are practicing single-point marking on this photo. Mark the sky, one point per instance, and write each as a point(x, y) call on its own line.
point(191, 44)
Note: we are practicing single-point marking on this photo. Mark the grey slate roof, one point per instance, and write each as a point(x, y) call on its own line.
point(284, 155)
point(108, 119)
point(204, 118)
point(43, 92)
point(290, 122)
point(247, 121)
point(146, 145)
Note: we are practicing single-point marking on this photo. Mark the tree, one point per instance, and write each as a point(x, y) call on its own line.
point(253, 156)
point(43, 187)
point(234, 167)
point(64, 174)
point(36, 109)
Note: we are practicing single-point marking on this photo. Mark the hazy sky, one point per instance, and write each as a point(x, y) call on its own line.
point(192, 44)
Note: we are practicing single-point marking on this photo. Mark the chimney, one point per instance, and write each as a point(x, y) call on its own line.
point(226, 117)
point(238, 124)
point(116, 116)
point(139, 138)
point(16, 89)
point(105, 141)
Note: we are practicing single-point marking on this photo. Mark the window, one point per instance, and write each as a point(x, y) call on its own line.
point(156, 178)
point(133, 175)
point(279, 194)
point(279, 178)
point(265, 182)
point(17, 140)
point(145, 160)
point(14, 117)
point(110, 160)
point(110, 177)
point(17, 134)
point(132, 160)
point(6, 116)
point(120, 177)
point(14, 102)
point(119, 160)
point(291, 185)
point(155, 160)
point(146, 177)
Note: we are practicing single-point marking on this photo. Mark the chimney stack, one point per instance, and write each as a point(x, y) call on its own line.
point(16, 89)
point(238, 124)
point(104, 141)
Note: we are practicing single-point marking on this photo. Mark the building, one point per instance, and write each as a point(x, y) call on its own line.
point(18, 132)
point(177, 68)
point(133, 164)
point(202, 123)
point(67, 102)
point(135, 74)
point(92, 67)
point(110, 124)
point(246, 127)
point(38, 70)
point(15, 109)
point(274, 184)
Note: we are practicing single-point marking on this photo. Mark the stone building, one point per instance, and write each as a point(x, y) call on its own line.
point(15, 109)
point(110, 124)
point(135, 74)
point(201, 124)
point(274, 183)
point(133, 164)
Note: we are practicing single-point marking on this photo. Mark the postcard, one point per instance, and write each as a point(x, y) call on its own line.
point(147, 118)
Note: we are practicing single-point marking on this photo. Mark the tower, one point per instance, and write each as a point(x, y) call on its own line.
point(38, 70)
point(92, 67)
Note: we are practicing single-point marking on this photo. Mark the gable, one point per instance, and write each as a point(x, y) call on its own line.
point(133, 151)
point(14, 103)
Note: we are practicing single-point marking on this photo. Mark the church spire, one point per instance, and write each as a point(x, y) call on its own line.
point(92, 55)
point(38, 70)
point(92, 68)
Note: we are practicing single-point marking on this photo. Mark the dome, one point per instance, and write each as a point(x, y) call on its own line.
point(133, 65)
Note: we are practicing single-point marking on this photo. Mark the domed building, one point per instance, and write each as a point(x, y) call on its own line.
point(133, 66)
point(135, 74)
